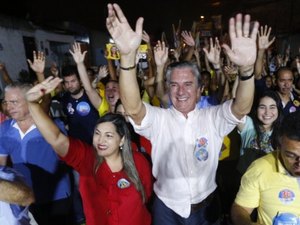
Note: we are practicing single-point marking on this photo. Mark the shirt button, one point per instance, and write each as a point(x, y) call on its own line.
point(108, 212)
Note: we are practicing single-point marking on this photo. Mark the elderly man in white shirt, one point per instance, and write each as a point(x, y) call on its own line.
point(185, 141)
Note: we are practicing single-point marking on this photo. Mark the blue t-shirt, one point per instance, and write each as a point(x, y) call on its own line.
point(36, 160)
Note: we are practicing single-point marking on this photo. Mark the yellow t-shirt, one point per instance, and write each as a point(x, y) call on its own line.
point(267, 186)
point(104, 106)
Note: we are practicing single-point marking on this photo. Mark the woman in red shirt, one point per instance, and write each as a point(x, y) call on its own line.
point(115, 182)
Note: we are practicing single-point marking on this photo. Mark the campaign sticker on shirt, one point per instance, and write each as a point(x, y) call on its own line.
point(201, 152)
point(70, 109)
point(292, 109)
point(296, 103)
point(83, 108)
point(286, 219)
point(123, 183)
point(286, 196)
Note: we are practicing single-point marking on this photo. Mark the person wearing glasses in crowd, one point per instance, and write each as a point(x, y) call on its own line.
point(271, 183)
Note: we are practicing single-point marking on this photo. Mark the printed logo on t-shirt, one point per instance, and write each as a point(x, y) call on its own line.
point(286, 196)
point(83, 108)
point(123, 183)
point(70, 109)
point(286, 219)
point(201, 152)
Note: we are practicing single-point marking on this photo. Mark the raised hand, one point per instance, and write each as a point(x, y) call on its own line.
point(161, 53)
point(146, 37)
point(54, 69)
point(188, 38)
point(38, 64)
point(243, 43)
point(126, 40)
point(213, 55)
point(102, 72)
point(76, 53)
point(41, 89)
point(263, 38)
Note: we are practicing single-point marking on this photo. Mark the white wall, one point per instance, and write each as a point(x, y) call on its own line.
point(13, 52)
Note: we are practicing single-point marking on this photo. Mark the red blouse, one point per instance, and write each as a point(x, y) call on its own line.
point(109, 198)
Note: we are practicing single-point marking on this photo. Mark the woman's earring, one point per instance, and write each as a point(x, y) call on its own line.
point(121, 147)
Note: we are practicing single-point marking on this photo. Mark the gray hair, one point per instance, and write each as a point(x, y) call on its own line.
point(24, 87)
point(183, 64)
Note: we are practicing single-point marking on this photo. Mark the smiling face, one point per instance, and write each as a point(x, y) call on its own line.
point(106, 140)
point(184, 90)
point(290, 155)
point(112, 93)
point(267, 112)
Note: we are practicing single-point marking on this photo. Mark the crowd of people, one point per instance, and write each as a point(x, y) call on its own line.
point(139, 141)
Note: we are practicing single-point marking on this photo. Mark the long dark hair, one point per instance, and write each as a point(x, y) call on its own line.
point(276, 124)
point(126, 153)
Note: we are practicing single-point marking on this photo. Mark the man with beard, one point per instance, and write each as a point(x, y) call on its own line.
point(81, 114)
point(271, 183)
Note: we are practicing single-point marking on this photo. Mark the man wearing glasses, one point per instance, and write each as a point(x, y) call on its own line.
point(272, 183)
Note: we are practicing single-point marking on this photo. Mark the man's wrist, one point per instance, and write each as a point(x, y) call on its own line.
point(246, 71)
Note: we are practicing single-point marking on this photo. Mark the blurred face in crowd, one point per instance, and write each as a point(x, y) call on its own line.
point(112, 93)
point(285, 82)
point(269, 82)
point(15, 104)
point(290, 155)
point(184, 90)
point(72, 84)
point(267, 112)
point(106, 140)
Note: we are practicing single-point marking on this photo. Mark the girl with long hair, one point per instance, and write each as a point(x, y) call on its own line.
point(259, 133)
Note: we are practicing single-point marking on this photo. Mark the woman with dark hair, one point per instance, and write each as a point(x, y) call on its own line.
point(259, 132)
point(115, 182)
point(139, 143)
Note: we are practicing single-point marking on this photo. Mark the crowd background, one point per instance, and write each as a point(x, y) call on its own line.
point(94, 91)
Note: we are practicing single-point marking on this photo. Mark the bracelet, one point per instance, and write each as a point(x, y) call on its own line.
point(128, 68)
point(246, 77)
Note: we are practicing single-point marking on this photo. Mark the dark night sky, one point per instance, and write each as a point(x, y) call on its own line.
point(158, 14)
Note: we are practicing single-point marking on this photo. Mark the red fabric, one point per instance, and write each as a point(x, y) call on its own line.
point(103, 201)
point(145, 144)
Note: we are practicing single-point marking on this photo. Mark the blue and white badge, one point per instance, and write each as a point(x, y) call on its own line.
point(123, 183)
point(201, 152)
point(286, 219)
point(286, 196)
point(83, 108)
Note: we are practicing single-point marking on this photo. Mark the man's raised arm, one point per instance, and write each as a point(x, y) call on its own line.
point(243, 54)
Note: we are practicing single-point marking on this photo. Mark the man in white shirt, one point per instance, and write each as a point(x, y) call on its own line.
point(185, 141)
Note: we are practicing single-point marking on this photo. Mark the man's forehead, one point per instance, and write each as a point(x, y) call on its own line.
point(70, 77)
